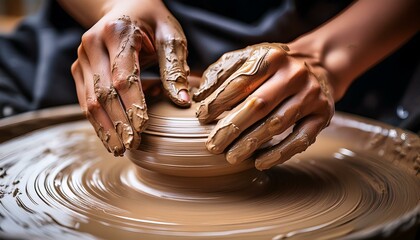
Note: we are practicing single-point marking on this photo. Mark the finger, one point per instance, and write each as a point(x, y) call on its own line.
point(284, 84)
point(278, 121)
point(124, 42)
point(256, 69)
point(94, 111)
point(77, 73)
point(219, 71)
point(303, 135)
point(106, 90)
point(174, 70)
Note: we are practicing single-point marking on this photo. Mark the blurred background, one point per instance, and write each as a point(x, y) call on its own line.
point(12, 11)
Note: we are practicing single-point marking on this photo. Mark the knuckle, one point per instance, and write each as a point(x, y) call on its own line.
point(111, 26)
point(93, 105)
point(74, 68)
point(123, 27)
point(173, 41)
point(89, 38)
point(299, 74)
point(276, 54)
point(241, 82)
point(120, 83)
point(302, 71)
point(117, 26)
point(259, 104)
point(275, 124)
point(102, 93)
point(80, 51)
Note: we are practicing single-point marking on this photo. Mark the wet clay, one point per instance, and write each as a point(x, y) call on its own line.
point(174, 144)
point(358, 181)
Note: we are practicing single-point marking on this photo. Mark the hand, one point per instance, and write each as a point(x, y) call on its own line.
point(270, 89)
point(107, 72)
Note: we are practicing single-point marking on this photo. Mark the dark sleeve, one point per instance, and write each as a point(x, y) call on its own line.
point(388, 92)
point(214, 27)
point(35, 61)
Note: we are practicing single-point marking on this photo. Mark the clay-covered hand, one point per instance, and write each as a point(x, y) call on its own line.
point(107, 72)
point(269, 89)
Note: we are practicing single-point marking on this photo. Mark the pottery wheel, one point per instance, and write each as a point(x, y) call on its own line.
point(359, 180)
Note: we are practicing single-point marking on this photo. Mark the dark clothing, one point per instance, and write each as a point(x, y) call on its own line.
point(35, 60)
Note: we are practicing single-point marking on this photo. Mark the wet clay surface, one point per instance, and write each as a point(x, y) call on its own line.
point(358, 179)
point(174, 144)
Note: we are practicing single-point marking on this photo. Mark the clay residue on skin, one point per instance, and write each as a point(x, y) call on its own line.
point(262, 133)
point(323, 82)
point(137, 114)
point(126, 132)
point(103, 135)
point(230, 127)
point(223, 97)
point(248, 144)
point(173, 67)
point(126, 73)
point(108, 98)
point(280, 153)
point(219, 71)
point(222, 137)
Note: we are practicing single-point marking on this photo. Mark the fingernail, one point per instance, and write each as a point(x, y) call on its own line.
point(184, 96)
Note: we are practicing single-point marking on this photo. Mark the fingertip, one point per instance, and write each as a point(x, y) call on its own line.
point(212, 147)
point(235, 155)
point(197, 96)
point(259, 165)
point(135, 144)
point(231, 158)
point(202, 113)
point(118, 151)
point(184, 98)
point(268, 160)
point(202, 93)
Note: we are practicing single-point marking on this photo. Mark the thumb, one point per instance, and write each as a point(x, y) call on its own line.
point(174, 70)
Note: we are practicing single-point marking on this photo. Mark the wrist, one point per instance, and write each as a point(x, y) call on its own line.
point(323, 56)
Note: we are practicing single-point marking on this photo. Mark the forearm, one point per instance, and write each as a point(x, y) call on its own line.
point(359, 37)
point(88, 12)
